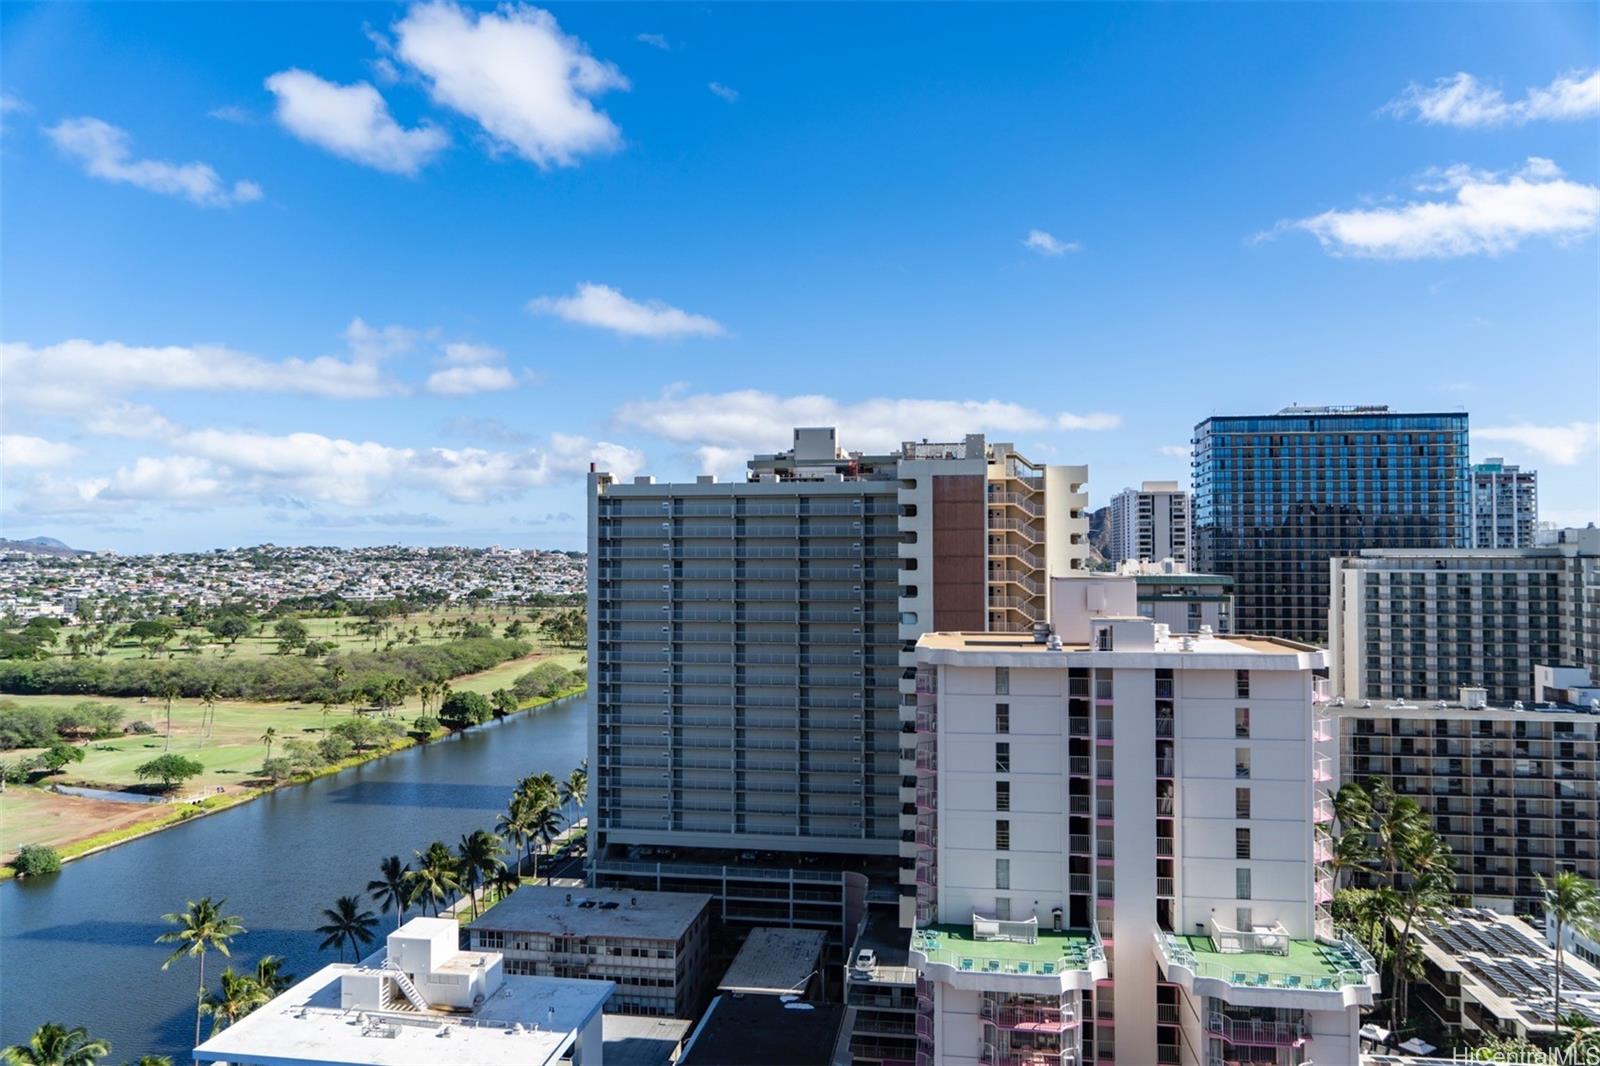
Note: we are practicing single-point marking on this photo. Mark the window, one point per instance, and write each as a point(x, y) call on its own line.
point(1241, 721)
point(1241, 763)
point(1002, 795)
point(1241, 843)
point(1002, 681)
point(1002, 873)
point(1241, 683)
point(1002, 757)
point(1241, 883)
point(1002, 718)
point(1002, 834)
point(1241, 803)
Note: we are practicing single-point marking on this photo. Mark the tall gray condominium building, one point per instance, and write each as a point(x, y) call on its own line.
point(1277, 496)
point(1149, 524)
point(752, 648)
point(1505, 505)
point(1425, 624)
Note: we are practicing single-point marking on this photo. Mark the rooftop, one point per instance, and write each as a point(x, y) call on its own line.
point(1051, 952)
point(890, 942)
point(1309, 964)
point(775, 961)
point(738, 1030)
point(529, 1020)
point(1509, 968)
point(1389, 707)
point(642, 1039)
point(608, 912)
point(1220, 644)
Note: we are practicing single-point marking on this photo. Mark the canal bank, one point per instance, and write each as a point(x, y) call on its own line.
point(78, 947)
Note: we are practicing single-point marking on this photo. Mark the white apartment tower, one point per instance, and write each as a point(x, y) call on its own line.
point(1179, 911)
point(1505, 505)
point(1149, 524)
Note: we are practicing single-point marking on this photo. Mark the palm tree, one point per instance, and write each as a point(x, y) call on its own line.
point(390, 890)
point(514, 824)
point(1573, 902)
point(169, 692)
point(436, 879)
point(575, 789)
point(201, 927)
point(480, 860)
point(347, 924)
point(56, 1045)
point(208, 717)
point(270, 975)
point(504, 882)
point(1430, 881)
point(238, 995)
point(544, 825)
point(268, 737)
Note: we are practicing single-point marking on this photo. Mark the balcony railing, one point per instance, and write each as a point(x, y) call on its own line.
point(1239, 1031)
point(1035, 1018)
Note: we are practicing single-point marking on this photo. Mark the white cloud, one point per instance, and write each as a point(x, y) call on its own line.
point(352, 121)
point(18, 451)
point(133, 421)
point(466, 380)
point(104, 151)
point(1097, 420)
point(1463, 101)
point(516, 74)
point(1489, 214)
point(719, 89)
point(605, 307)
point(11, 105)
point(1563, 445)
point(175, 478)
point(1175, 451)
point(76, 377)
point(461, 353)
point(231, 113)
point(1047, 244)
point(371, 343)
point(654, 40)
point(725, 428)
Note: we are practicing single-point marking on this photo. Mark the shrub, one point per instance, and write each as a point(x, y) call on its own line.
point(334, 747)
point(302, 755)
point(35, 859)
point(141, 727)
point(277, 768)
point(425, 724)
point(546, 679)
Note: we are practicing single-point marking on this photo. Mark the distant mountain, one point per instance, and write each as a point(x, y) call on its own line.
point(1100, 534)
point(39, 546)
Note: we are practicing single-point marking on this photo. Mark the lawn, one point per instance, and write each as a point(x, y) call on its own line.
point(429, 627)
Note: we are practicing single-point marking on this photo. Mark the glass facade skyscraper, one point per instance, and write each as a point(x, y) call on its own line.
point(1277, 496)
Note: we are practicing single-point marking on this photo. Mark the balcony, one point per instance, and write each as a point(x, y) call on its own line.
point(1321, 770)
point(1322, 811)
point(1035, 1018)
point(1269, 1034)
point(997, 1055)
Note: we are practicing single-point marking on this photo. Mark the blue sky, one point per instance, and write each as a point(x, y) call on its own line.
point(371, 274)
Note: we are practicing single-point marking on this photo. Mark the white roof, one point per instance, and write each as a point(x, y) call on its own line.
point(775, 961)
point(307, 1025)
point(611, 912)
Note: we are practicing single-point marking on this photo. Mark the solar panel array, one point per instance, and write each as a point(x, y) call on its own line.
point(1514, 966)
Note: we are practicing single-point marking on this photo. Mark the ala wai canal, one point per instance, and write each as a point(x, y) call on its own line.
point(78, 947)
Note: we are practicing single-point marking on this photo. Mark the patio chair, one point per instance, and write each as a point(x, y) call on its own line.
point(1022, 967)
point(1239, 978)
point(1047, 967)
point(1322, 982)
point(966, 964)
point(1260, 980)
point(1292, 981)
point(992, 966)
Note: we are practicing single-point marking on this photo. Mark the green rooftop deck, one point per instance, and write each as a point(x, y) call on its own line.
point(1309, 964)
point(1050, 953)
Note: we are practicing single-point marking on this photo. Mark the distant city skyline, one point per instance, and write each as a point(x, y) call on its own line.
point(311, 284)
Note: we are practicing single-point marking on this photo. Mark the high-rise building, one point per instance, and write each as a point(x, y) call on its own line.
point(1179, 600)
point(1505, 505)
point(1149, 524)
point(1277, 496)
point(1511, 788)
point(1180, 911)
point(1423, 624)
point(751, 646)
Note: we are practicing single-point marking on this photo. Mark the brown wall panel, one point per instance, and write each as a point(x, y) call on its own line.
point(960, 564)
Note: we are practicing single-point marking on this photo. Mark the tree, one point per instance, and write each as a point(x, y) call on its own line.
point(270, 975)
point(545, 826)
point(436, 878)
point(169, 769)
point(55, 758)
point(1424, 893)
point(152, 633)
point(237, 995)
point(390, 889)
point(276, 769)
point(230, 627)
point(267, 738)
point(291, 633)
point(200, 927)
point(503, 702)
point(479, 860)
point(462, 709)
point(169, 692)
point(53, 1044)
point(1574, 903)
point(575, 789)
point(347, 924)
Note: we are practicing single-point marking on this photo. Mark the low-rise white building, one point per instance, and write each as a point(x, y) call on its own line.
point(1179, 911)
point(420, 1000)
